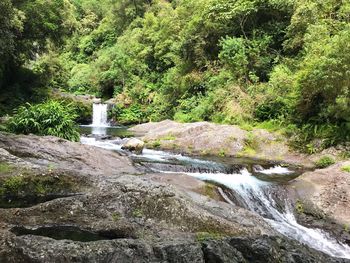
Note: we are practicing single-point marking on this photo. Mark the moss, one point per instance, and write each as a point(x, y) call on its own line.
point(247, 151)
point(347, 228)
point(205, 236)
point(169, 137)
point(222, 153)
point(116, 216)
point(175, 146)
point(156, 144)
point(324, 162)
point(346, 168)
point(299, 207)
point(6, 168)
point(210, 190)
point(204, 152)
point(26, 184)
point(137, 213)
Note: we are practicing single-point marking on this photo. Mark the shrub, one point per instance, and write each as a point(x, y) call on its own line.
point(271, 109)
point(130, 115)
point(346, 168)
point(324, 162)
point(49, 118)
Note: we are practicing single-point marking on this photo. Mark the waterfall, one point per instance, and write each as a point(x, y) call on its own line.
point(99, 115)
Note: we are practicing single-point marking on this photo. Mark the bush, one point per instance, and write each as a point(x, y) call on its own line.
point(271, 109)
point(324, 162)
point(346, 168)
point(49, 118)
point(130, 115)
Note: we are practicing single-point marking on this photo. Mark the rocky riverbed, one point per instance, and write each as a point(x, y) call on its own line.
point(204, 138)
point(103, 208)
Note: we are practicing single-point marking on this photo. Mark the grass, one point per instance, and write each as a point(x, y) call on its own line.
point(222, 153)
point(324, 162)
point(251, 144)
point(168, 137)
point(205, 236)
point(346, 168)
point(156, 144)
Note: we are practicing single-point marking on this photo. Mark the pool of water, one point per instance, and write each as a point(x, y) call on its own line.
point(67, 233)
point(28, 200)
point(114, 131)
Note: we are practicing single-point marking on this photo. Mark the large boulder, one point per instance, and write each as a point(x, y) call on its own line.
point(134, 145)
point(327, 191)
point(205, 138)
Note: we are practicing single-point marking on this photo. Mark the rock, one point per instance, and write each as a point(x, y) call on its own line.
point(328, 190)
point(143, 218)
point(64, 154)
point(111, 101)
point(323, 197)
point(204, 138)
point(96, 100)
point(273, 249)
point(134, 145)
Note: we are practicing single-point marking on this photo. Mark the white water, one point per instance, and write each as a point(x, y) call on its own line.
point(105, 144)
point(99, 119)
point(255, 195)
point(99, 115)
point(251, 190)
point(274, 170)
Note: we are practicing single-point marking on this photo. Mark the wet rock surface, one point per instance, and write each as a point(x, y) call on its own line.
point(323, 197)
point(125, 215)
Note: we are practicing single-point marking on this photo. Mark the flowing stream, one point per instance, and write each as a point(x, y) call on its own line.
point(252, 186)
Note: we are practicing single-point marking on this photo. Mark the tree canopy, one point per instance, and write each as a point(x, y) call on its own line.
point(230, 61)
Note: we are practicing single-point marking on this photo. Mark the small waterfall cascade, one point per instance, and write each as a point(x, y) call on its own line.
point(99, 118)
point(256, 195)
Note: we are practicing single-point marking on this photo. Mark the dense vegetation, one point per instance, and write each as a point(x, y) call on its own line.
point(49, 118)
point(278, 64)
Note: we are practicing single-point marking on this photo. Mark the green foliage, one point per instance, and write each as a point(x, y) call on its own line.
point(206, 236)
point(346, 168)
point(49, 118)
point(275, 64)
point(156, 144)
point(130, 115)
point(222, 153)
point(116, 216)
point(271, 110)
point(137, 213)
point(299, 207)
point(324, 162)
point(25, 184)
point(5, 168)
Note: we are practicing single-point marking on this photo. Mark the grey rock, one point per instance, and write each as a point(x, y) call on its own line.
point(134, 145)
